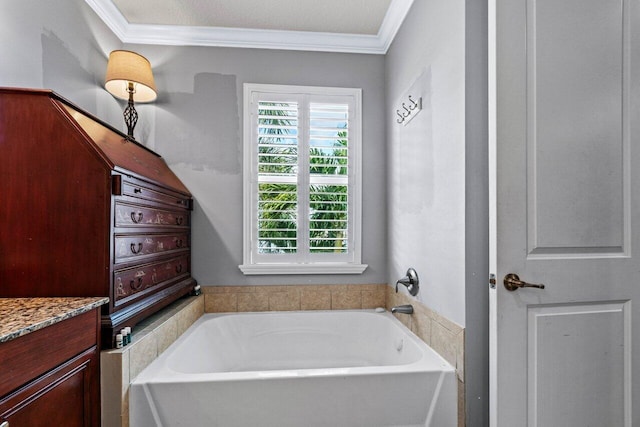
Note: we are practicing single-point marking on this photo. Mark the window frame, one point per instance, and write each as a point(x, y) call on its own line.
point(302, 263)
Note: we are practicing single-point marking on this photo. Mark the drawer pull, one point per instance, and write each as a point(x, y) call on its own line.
point(133, 248)
point(136, 218)
point(179, 268)
point(179, 220)
point(133, 284)
point(137, 190)
point(179, 243)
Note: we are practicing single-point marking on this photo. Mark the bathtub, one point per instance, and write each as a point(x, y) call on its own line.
point(299, 369)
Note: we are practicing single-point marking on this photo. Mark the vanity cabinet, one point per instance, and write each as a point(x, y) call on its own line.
point(88, 212)
point(51, 377)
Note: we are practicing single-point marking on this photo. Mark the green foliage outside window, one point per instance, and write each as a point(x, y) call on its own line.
point(278, 201)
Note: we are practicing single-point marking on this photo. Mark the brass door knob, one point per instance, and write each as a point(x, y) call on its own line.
point(512, 283)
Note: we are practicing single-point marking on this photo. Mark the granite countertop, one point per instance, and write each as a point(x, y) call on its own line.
point(20, 316)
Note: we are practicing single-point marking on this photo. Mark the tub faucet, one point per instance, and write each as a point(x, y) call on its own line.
point(411, 281)
point(406, 309)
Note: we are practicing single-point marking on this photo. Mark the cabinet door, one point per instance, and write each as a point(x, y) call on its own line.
point(65, 396)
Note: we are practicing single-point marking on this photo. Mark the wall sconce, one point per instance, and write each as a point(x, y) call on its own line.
point(129, 77)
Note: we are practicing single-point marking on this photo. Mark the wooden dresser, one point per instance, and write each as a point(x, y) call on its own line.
point(88, 212)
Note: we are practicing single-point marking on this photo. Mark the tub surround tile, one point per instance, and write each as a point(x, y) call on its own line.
point(394, 299)
point(321, 288)
point(444, 342)
point(346, 300)
point(461, 405)
point(220, 299)
point(276, 288)
point(421, 326)
point(143, 353)
point(207, 290)
point(249, 301)
point(407, 320)
point(149, 338)
point(446, 323)
point(288, 300)
point(111, 375)
point(167, 333)
point(366, 288)
point(124, 416)
point(460, 355)
point(220, 303)
point(315, 299)
point(293, 297)
point(21, 316)
point(126, 375)
point(189, 315)
point(373, 298)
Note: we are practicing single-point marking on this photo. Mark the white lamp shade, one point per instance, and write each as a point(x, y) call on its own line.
point(124, 67)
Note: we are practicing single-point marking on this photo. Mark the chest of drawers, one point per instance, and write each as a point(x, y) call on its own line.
point(150, 241)
point(88, 212)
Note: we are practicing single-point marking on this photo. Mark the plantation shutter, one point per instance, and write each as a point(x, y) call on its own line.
point(300, 178)
point(328, 170)
point(277, 145)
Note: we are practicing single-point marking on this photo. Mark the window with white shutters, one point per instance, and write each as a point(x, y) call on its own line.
point(302, 180)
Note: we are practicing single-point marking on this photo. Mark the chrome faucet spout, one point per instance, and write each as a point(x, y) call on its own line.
point(405, 309)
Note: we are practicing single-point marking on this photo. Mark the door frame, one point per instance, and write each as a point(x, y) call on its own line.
point(493, 217)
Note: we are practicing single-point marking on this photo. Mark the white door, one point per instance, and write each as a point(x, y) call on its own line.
point(567, 165)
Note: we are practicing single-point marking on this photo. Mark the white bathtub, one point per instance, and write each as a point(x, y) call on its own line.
point(298, 369)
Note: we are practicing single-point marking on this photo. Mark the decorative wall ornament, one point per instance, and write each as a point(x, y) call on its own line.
point(409, 110)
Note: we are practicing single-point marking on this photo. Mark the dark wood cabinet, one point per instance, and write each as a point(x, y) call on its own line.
point(52, 376)
point(88, 212)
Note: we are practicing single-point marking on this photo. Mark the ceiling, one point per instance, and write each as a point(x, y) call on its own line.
point(358, 26)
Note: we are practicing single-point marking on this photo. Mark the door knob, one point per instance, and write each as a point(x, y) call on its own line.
point(512, 282)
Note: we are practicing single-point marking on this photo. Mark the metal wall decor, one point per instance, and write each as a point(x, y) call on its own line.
point(409, 110)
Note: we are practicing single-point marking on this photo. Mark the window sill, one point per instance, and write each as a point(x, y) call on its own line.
point(317, 268)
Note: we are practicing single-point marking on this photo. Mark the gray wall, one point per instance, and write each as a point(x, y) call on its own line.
point(196, 122)
point(426, 158)
point(196, 125)
point(57, 45)
point(437, 172)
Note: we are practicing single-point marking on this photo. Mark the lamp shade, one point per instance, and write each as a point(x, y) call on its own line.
point(124, 67)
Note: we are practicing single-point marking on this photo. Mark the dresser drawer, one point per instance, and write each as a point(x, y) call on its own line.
point(133, 280)
point(132, 215)
point(131, 246)
point(139, 189)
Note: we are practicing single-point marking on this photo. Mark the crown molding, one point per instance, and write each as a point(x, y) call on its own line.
point(174, 35)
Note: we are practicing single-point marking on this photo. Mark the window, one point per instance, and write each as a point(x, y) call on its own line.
point(302, 180)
